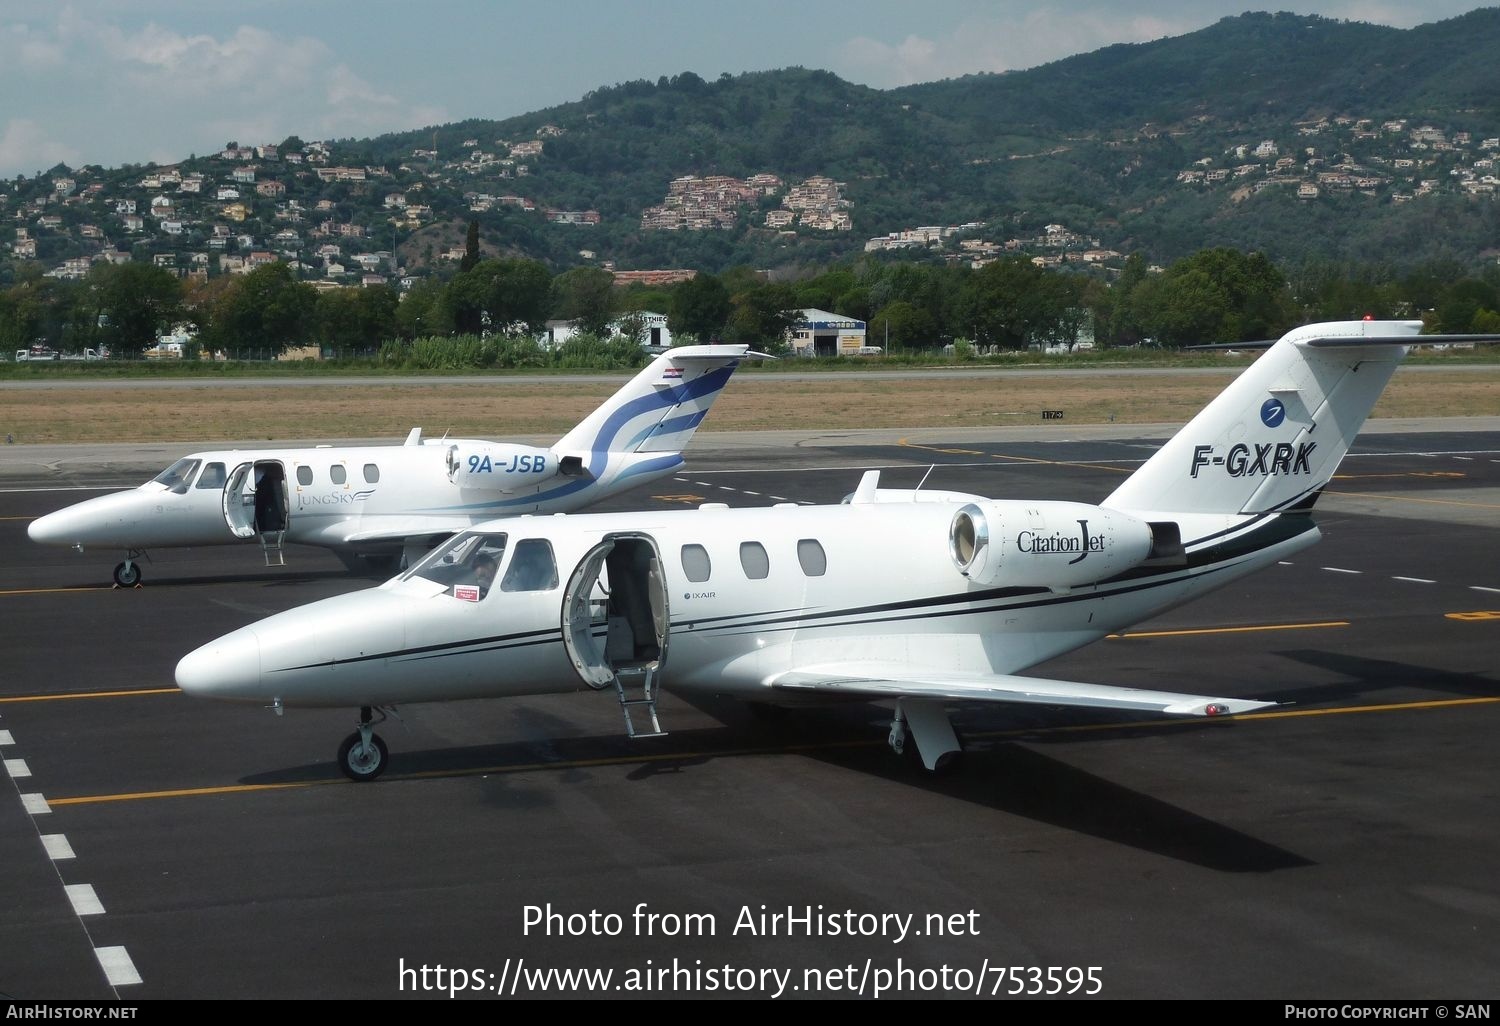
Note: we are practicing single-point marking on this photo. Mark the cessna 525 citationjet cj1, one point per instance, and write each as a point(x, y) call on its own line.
point(923, 599)
point(397, 501)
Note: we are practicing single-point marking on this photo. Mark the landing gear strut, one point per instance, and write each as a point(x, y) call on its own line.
point(363, 755)
point(128, 574)
point(923, 736)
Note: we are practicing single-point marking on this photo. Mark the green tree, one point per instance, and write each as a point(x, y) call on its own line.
point(900, 325)
point(419, 313)
point(1114, 312)
point(1215, 295)
point(463, 303)
point(1184, 309)
point(355, 319)
point(585, 295)
point(471, 248)
point(1461, 303)
point(1011, 303)
point(762, 316)
point(136, 303)
point(40, 310)
point(267, 309)
point(700, 308)
point(519, 295)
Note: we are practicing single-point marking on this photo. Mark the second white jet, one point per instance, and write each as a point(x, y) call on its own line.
point(395, 502)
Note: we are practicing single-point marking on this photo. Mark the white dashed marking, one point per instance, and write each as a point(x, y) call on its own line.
point(1480, 587)
point(35, 804)
point(1341, 570)
point(119, 970)
point(57, 846)
point(85, 901)
point(5, 738)
point(749, 492)
point(17, 768)
point(1414, 580)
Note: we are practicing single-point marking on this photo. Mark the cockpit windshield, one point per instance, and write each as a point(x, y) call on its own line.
point(465, 564)
point(178, 474)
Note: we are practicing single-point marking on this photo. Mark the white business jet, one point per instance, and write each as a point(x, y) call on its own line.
point(923, 599)
point(392, 503)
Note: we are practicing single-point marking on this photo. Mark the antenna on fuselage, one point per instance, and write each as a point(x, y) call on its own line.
point(925, 476)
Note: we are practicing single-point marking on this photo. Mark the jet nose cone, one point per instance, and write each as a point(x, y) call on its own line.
point(105, 519)
point(51, 529)
point(227, 668)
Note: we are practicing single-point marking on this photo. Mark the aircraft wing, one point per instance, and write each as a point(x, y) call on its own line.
point(395, 530)
point(873, 680)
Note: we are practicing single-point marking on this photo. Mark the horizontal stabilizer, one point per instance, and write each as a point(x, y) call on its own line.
point(1351, 342)
point(873, 680)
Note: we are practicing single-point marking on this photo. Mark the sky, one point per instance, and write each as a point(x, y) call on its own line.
point(116, 82)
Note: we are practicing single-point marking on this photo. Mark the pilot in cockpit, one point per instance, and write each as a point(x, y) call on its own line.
point(484, 572)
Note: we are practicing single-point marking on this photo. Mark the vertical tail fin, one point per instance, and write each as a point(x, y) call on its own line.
point(659, 409)
point(1275, 436)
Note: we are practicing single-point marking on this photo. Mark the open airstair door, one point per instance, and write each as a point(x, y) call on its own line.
point(615, 621)
point(255, 499)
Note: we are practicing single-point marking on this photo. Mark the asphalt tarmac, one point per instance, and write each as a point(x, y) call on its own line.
point(1340, 846)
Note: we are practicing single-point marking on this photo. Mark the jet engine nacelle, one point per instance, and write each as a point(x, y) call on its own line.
point(498, 467)
point(1045, 544)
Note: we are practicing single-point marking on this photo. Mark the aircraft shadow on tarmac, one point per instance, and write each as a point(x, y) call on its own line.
point(279, 581)
point(1007, 777)
point(1372, 676)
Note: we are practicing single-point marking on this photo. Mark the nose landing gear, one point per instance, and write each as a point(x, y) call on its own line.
point(128, 574)
point(363, 755)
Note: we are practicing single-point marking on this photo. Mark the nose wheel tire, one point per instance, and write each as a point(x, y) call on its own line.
point(362, 760)
point(128, 574)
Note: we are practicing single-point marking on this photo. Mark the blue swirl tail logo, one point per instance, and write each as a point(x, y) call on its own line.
point(1272, 413)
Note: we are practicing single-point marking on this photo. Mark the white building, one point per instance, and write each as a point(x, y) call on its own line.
point(826, 334)
point(654, 331)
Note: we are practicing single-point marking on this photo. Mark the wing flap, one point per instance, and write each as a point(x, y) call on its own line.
point(877, 681)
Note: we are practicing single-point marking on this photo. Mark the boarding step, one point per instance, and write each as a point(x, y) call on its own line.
point(274, 554)
point(636, 686)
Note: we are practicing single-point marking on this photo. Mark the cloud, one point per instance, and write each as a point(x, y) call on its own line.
point(21, 47)
point(131, 94)
point(998, 44)
point(26, 149)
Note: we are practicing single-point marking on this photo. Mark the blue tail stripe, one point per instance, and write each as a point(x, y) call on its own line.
point(708, 384)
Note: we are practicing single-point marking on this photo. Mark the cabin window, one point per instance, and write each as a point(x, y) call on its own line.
point(812, 557)
point(695, 563)
point(213, 476)
point(372, 473)
point(532, 567)
point(304, 475)
point(179, 473)
point(338, 473)
point(756, 563)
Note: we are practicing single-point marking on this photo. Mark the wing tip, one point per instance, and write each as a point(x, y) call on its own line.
point(1213, 708)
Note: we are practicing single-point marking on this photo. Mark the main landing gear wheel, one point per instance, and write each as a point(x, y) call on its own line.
point(362, 759)
point(127, 574)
